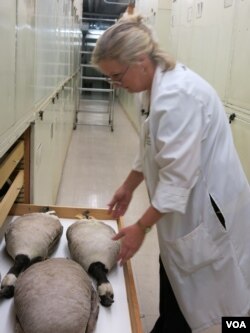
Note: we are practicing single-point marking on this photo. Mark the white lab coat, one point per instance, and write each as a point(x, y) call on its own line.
point(187, 155)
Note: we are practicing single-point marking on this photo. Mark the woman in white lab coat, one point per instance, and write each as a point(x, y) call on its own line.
point(199, 195)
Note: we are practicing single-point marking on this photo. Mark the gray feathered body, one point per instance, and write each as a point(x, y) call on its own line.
point(55, 295)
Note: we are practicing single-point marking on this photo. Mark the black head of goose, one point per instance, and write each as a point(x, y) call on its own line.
point(91, 245)
point(29, 238)
point(55, 295)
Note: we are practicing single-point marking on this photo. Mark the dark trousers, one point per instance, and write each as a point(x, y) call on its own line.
point(171, 319)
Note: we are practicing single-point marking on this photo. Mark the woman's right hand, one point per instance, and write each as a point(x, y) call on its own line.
point(120, 202)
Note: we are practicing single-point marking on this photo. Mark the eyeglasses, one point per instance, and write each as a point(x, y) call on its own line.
point(116, 79)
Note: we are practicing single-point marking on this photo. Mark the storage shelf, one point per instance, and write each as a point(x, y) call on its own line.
point(95, 78)
point(96, 89)
point(92, 83)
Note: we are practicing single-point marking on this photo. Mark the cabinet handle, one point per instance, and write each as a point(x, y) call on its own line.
point(40, 114)
point(231, 117)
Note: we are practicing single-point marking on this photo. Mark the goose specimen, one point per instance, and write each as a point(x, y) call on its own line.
point(29, 238)
point(55, 295)
point(91, 245)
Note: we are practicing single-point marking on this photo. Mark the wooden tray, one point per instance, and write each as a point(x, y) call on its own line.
point(123, 316)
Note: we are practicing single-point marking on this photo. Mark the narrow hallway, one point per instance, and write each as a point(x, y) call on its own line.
point(97, 161)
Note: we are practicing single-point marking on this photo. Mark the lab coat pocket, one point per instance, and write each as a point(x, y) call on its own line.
point(194, 251)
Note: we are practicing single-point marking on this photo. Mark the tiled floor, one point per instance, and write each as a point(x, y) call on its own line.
point(98, 160)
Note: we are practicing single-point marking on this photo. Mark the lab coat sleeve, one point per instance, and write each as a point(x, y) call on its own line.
point(137, 165)
point(177, 133)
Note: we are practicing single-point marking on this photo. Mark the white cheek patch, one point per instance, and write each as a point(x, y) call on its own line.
point(9, 280)
point(105, 289)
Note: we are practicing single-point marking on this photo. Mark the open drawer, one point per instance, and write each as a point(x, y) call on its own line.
point(123, 316)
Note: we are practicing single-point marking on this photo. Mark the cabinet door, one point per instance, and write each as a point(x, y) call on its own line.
point(238, 83)
point(48, 48)
point(25, 49)
point(44, 159)
point(241, 133)
point(162, 25)
point(7, 65)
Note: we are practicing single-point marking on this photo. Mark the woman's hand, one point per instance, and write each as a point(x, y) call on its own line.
point(131, 240)
point(122, 197)
point(120, 201)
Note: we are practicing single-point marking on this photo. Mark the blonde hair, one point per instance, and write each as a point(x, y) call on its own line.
point(126, 40)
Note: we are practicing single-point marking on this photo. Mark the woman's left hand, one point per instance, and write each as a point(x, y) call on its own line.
point(131, 240)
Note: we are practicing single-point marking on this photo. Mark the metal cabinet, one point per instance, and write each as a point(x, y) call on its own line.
point(96, 105)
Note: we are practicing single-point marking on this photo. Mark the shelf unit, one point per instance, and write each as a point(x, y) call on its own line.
point(97, 94)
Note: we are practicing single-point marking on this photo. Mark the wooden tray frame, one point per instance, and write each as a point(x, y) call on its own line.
point(102, 214)
point(15, 164)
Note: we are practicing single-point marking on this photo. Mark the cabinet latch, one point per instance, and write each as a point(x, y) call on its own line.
point(231, 117)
